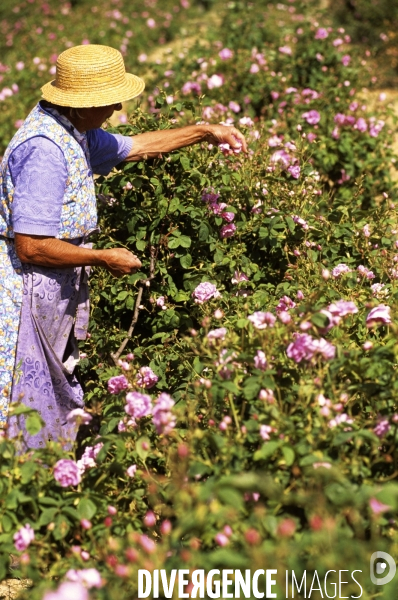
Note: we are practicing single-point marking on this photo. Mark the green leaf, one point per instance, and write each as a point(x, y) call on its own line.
point(267, 450)
point(34, 423)
point(186, 165)
point(185, 241)
point(186, 261)
point(141, 245)
point(28, 470)
point(122, 295)
point(143, 451)
point(203, 232)
point(86, 508)
point(288, 455)
point(47, 516)
point(173, 242)
point(320, 320)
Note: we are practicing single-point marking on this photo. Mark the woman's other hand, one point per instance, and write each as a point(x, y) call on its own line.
point(120, 261)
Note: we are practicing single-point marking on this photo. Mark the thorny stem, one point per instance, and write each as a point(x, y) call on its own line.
point(142, 285)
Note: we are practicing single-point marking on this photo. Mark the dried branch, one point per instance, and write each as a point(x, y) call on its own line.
point(143, 283)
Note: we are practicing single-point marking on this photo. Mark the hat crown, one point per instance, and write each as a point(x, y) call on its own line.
point(91, 67)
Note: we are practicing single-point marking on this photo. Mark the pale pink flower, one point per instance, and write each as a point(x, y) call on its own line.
point(382, 427)
point(151, 23)
point(215, 81)
point(147, 544)
point(90, 578)
point(265, 430)
point(225, 54)
point(294, 171)
point(260, 360)
point(285, 50)
point(217, 334)
point(160, 301)
point(238, 277)
point(378, 507)
point(221, 539)
point(262, 320)
point(267, 395)
point(285, 303)
point(131, 470)
point(343, 418)
point(254, 68)
point(346, 59)
point(23, 537)
point(68, 590)
point(379, 314)
point(78, 415)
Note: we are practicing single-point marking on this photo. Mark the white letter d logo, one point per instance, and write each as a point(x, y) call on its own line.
point(380, 568)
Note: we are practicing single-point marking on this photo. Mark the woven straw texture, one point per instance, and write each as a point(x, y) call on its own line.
point(91, 75)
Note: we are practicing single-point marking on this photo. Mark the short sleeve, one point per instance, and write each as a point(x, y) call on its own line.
point(39, 175)
point(107, 150)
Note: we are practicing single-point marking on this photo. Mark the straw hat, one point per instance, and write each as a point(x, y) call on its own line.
point(91, 75)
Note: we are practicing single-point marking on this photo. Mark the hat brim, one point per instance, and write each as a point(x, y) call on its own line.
point(131, 88)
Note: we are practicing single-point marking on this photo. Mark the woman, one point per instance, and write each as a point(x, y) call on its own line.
point(47, 213)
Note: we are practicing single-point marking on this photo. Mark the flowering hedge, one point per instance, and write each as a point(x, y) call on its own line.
point(251, 418)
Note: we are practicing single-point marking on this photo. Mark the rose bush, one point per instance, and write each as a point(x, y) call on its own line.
point(251, 419)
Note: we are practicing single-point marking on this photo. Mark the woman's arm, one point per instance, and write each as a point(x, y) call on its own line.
point(155, 143)
point(51, 252)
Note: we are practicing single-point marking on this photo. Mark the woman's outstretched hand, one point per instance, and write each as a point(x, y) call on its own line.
point(224, 134)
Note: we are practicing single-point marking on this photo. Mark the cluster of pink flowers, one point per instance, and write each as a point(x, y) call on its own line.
point(23, 537)
point(365, 272)
point(340, 269)
point(305, 347)
point(204, 292)
point(87, 461)
point(336, 311)
point(285, 304)
point(67, 472)
point(359, 123)
point(163, 419)
point(146, 378)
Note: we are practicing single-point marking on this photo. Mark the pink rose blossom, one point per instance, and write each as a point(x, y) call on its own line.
point(321, 33)
point(340, 269)
point(67, 472)
point(285, 303)
point(312, 117)
point(163, 419)
point(285, 50)
point(239, 277)
point(205, 291)
point(146, 378)
point(138, 405)
point(147, 544)
point(267, 395)
point(227, 231)
point(294, 171)
point(117, 384)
